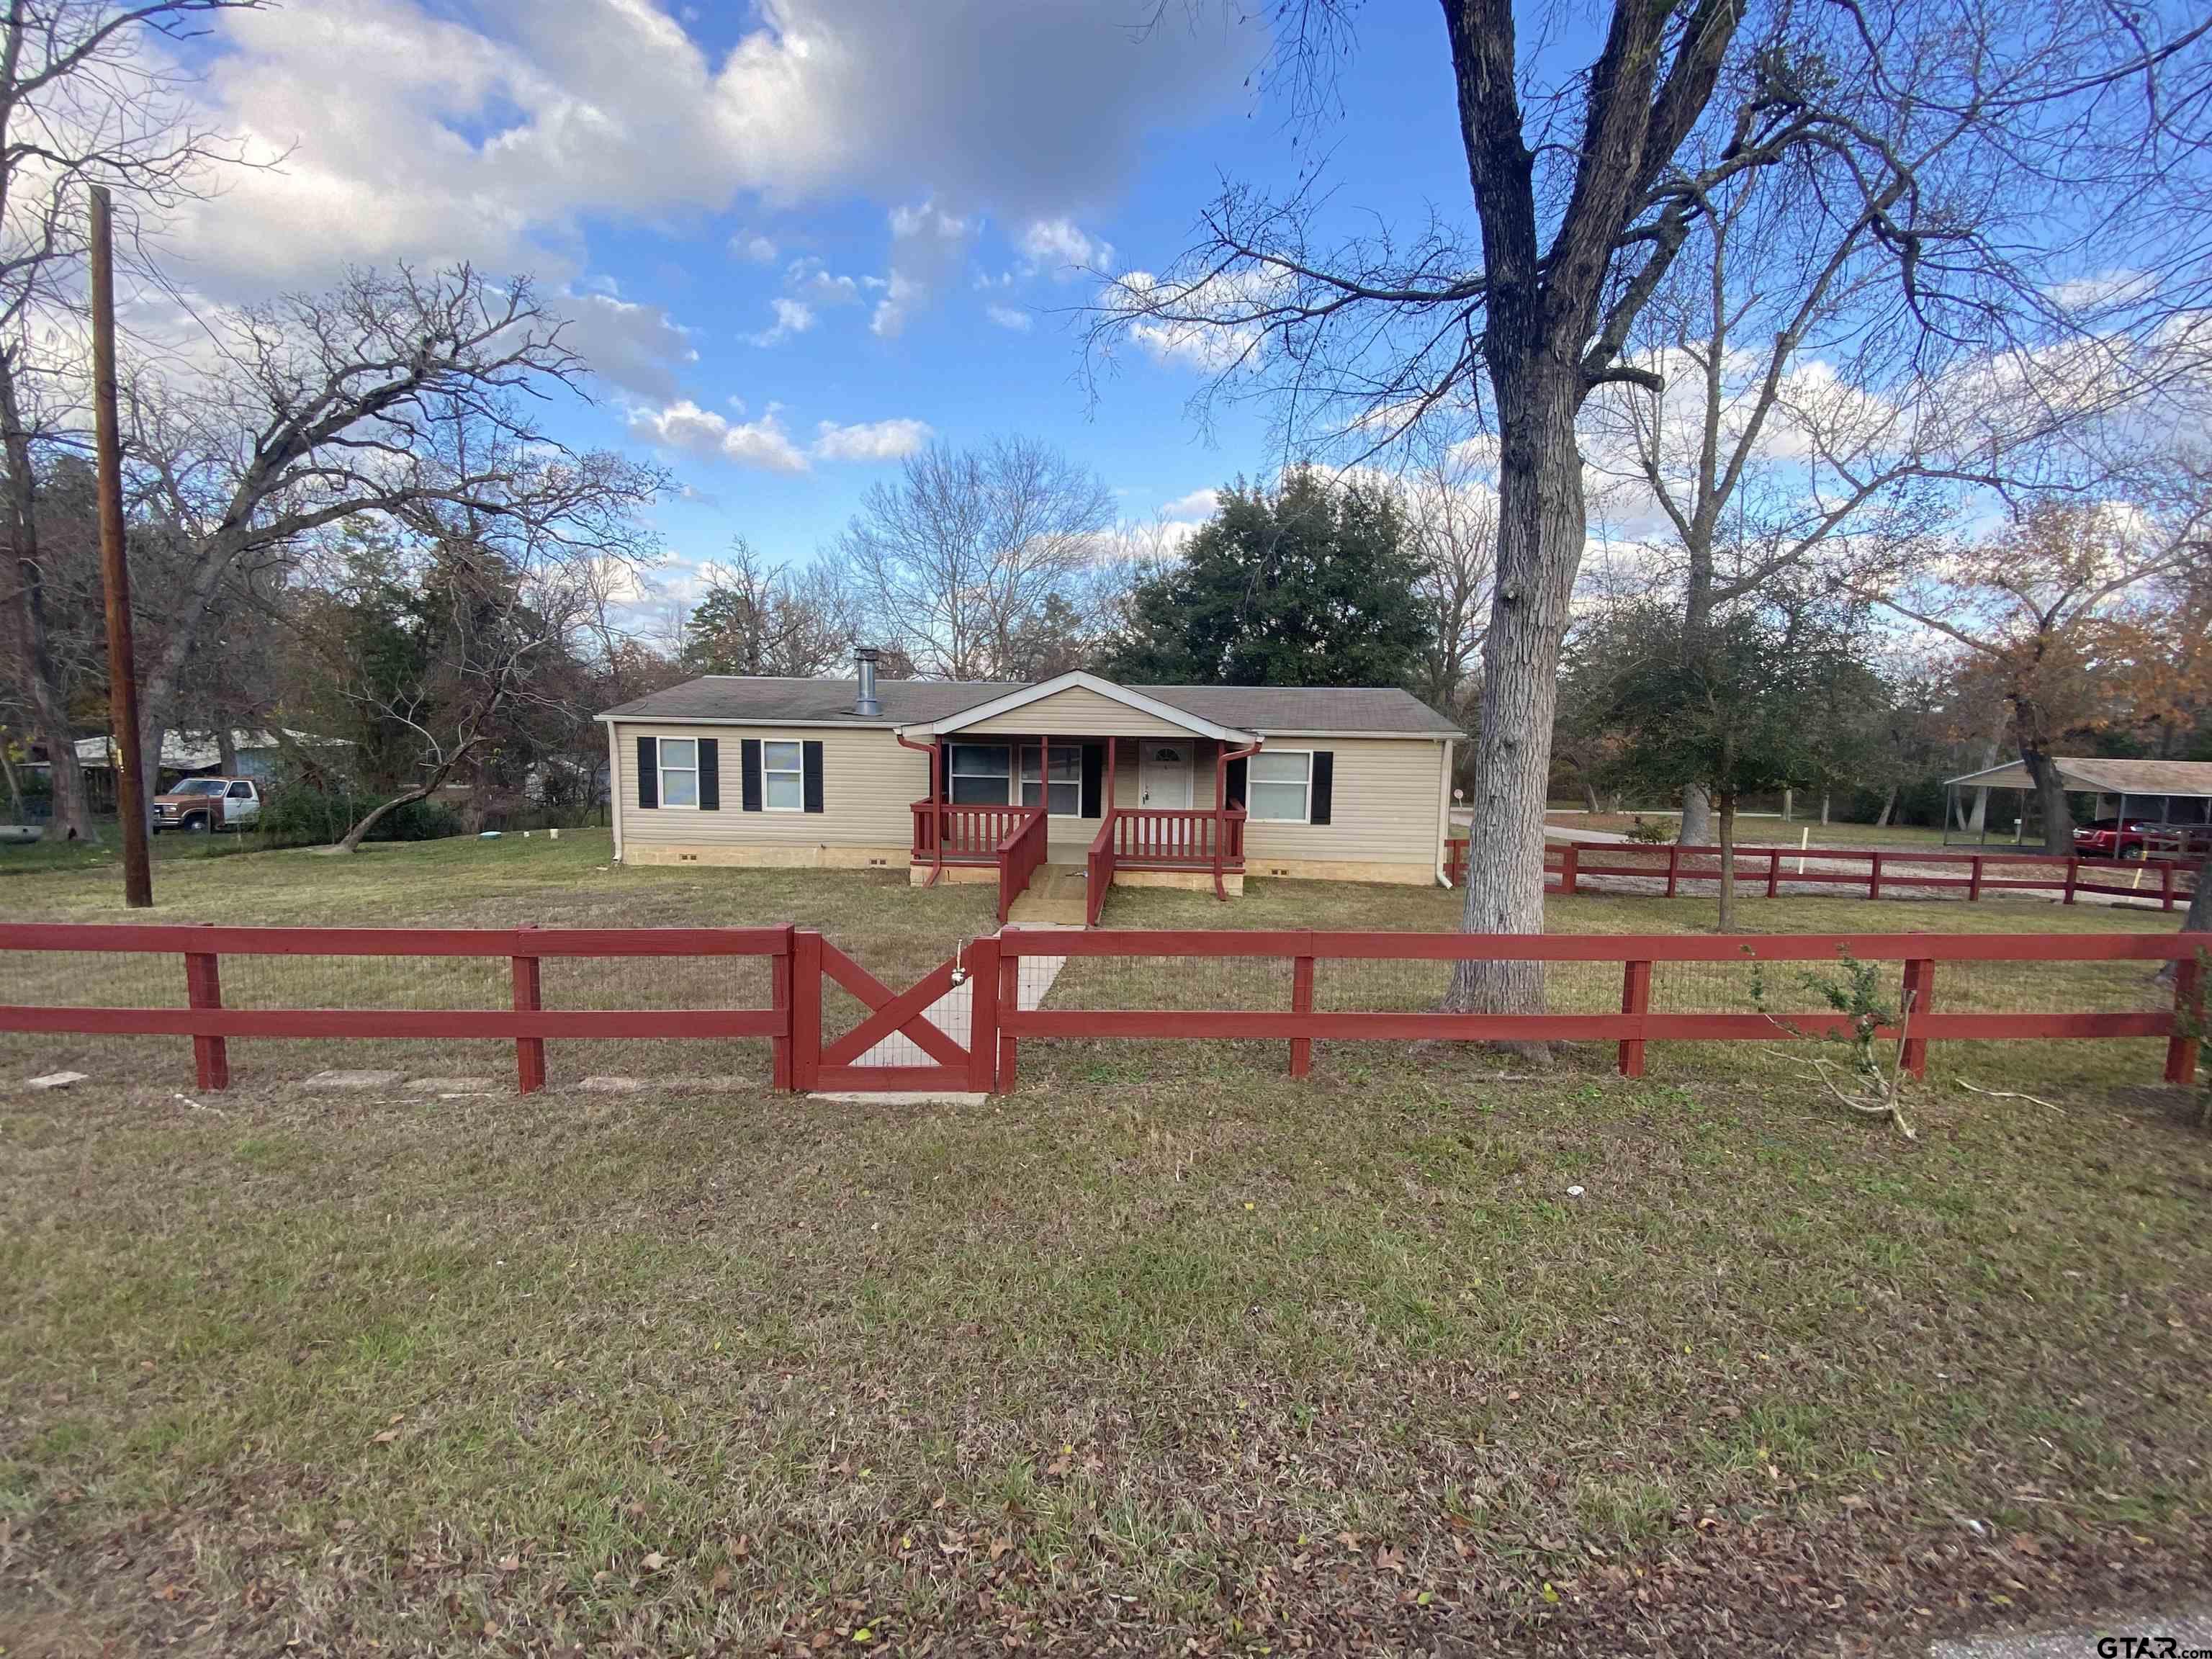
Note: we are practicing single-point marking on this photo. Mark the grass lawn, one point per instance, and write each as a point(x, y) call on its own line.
point(1773, 832)
point(1162, 1350)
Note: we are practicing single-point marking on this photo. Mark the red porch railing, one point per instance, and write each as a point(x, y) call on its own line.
point(971, 834)
point(1150, 837)
point(1099, 876)
point(1019, 855)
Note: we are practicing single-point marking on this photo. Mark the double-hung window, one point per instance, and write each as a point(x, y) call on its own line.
point(679, 772)
point(1060, 789)
point(1279, 787)
point(783, 773)
point(979, 774)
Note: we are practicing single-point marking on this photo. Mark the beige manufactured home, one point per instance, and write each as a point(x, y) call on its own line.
point(1179, 784)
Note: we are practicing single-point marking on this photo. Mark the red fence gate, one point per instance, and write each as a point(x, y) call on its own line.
point(952, 988)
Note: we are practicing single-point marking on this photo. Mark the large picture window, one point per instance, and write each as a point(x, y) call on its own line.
point(1279, 787)
point(1060, 790)
point(679, 772)
point(980, 776)
point(783, 770)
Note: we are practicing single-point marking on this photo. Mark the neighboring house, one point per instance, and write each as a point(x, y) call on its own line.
point(1158, 785)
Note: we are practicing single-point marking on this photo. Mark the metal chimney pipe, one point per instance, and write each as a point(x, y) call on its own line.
point(866, 704)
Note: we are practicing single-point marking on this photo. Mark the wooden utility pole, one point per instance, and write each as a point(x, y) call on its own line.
point(114, 570)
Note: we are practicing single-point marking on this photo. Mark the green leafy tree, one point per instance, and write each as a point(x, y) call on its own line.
point(1312, 583)
point(1742, 712)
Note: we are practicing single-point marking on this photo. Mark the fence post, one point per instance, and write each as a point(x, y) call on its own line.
point(2166, 886)
point(1302, 982)
point(529, 1051)
point(779, 998)
point(1569, 867)
point(1635, 999)
point(1919, 991)
point(1873, 877)
point(204, 989)
point(2188, 1018)
point(1010, 996)
point(806, 1010)
point(1773, 873)
point(1673, 865)
point(1974, 877)
point(2073, 875)
point(983, 1015)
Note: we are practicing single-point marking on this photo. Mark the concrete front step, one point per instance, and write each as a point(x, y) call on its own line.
point(1055, 898)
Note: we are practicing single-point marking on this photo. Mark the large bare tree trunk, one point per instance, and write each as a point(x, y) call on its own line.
point(1697, 817)
point(1541, 524)
point(2050, 789)
point(1978, 821)
point(1888, 805)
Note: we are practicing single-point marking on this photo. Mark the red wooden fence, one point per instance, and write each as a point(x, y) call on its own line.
point(1760, 869)
point(800, 960)
point(208, 1024)
point(1636, 1024)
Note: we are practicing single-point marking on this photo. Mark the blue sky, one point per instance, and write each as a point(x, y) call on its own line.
point(796, 233)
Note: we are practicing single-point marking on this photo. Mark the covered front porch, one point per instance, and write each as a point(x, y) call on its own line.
point(1081, 802)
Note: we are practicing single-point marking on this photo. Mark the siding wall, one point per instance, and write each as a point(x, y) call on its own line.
point(1076, 712)
point(1384, 809)
point(868, 781)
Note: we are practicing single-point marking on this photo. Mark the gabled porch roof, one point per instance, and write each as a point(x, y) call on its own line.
point(1023, 697)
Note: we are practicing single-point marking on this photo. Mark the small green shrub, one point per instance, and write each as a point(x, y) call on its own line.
point(1650, 833)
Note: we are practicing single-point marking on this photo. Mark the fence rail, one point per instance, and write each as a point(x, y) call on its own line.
point(528, 1022)
point(1761, 869)
point(966, 1017)
point(1636, 1024)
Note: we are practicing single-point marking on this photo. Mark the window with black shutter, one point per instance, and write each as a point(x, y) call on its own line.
point(814, 776)
point(749, 764)
point(648, 772)
point(710, 774)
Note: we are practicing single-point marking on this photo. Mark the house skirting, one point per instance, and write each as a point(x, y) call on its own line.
point(1188, 881)
point(955, 874)
point(1403, 875)
point(772, 858)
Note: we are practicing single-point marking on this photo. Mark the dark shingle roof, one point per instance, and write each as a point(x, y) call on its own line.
point(733, 697)
point(908, 702)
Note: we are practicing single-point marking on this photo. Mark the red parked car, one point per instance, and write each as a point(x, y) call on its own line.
point(2135, 838)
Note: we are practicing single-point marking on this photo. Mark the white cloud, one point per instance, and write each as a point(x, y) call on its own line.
point(927, 244)
point(812, 281)
point(636, 347)
point(754, 247)
point(689, 429)
point(1210, 327)
point(870, 440)
point(1198, 504)
point(1010, 317)
point(685, 429)
point(792, 317)
point(498, 130)
point(1060, 248)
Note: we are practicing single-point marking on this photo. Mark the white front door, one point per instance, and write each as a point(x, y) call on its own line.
point(1164, 776)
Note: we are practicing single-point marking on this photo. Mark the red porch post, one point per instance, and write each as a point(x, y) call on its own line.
point(1222, 756)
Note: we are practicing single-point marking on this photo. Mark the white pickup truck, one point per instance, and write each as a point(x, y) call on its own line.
point(197, 806)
